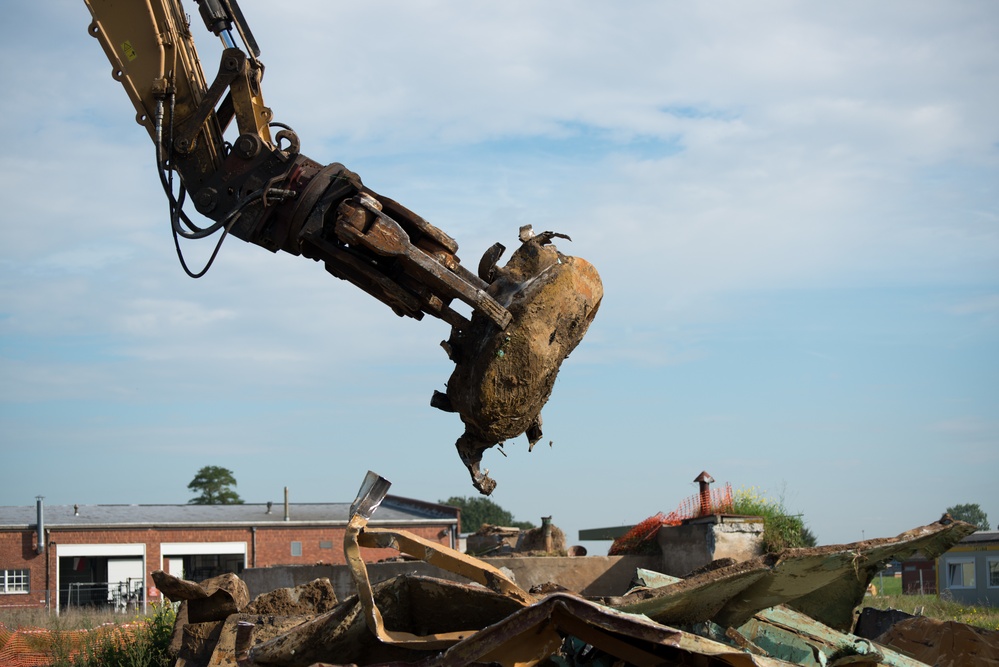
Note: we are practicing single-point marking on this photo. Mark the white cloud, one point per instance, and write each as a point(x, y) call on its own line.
point(696, 153)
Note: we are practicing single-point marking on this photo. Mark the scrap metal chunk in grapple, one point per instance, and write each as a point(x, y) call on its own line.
point(503, 377)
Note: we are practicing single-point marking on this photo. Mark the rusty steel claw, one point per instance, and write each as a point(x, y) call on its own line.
point(363, 222)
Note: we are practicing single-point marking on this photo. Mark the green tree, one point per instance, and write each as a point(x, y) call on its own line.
point(781, 529)
point(971, 513)
point(213, 484)
point(478, 511)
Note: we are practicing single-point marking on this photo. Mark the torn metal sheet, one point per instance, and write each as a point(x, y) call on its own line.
point(944, 643)
point(790, 635)
point(417, 606)
point(691, 600)
point(535, 633)
point(445, 558)
point(372, 492)
point(833, 599)
point(780, 632)
point(214, 599)
point(826, 583)
point(653, 579)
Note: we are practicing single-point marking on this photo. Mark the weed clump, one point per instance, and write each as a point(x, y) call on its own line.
point(781, 529)
point(143, 644)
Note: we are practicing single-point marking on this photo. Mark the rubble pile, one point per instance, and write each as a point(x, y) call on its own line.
point(797, 607)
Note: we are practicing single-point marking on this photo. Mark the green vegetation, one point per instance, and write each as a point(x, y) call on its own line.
point(971, 513)
point(213, 483)
point(88, 638)
point(781, 529)
point(478, 511)
point(888, 585)
point(936, 606)
point(144, 645)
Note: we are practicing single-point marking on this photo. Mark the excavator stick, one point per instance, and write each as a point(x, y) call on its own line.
point(526, 317)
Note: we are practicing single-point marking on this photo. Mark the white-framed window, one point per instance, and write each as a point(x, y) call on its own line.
point(961, 573)
point(15, 581)
point(296, 548)
point(992, 567)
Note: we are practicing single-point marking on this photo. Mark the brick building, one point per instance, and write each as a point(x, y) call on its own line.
point(72, 555)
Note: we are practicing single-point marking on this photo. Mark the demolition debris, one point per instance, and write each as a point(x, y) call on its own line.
point(798, 607)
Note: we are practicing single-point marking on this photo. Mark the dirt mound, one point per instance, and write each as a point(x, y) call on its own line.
point(315, 597)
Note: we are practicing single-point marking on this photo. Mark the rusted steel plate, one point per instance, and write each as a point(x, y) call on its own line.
point(212, 600)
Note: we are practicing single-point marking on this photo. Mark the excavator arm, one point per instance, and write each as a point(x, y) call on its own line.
point(527, 316)
point(260, 188)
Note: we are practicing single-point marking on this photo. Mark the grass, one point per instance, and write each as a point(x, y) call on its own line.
point(936, 606)
point(781, 529)
point(86, 638)
point(888, 585)
point(69, 619)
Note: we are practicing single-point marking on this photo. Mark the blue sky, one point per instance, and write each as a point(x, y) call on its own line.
point(794, 209)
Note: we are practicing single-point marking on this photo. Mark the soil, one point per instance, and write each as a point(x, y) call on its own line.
point(313, 598)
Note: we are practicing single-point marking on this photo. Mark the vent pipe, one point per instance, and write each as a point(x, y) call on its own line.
point(269, 506)
point(704, 481)
point(287, 513)
point(40, 525)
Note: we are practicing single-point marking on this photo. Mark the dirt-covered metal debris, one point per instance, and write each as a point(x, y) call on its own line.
point(750, 613)
point(504, 376)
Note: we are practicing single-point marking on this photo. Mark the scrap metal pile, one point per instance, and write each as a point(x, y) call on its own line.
point(795, 607)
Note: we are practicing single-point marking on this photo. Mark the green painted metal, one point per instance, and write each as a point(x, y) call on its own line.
point(792, 636)
point(611, 533)
point(653, 579)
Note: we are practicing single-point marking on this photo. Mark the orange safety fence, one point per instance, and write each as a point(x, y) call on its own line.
point(642, 538)
point(40, 647)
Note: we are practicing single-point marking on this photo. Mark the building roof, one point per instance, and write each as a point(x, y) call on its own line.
point(394, 510)
point(981, 536)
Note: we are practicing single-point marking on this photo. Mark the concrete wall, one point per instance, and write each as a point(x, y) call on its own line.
point(587, 575)
point(700, 541)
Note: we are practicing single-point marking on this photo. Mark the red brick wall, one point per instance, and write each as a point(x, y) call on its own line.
point(17, 552)
point(273, 547)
